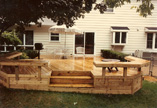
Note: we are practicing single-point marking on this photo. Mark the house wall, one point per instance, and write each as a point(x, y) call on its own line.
point(122, 16)
point(101, 25)
point(41, 35)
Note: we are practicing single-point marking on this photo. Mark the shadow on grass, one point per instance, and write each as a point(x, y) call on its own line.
point(144, 98)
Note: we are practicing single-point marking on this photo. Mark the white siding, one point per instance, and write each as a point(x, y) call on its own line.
point(101, 24)
point(41, 35)
point(122, 16)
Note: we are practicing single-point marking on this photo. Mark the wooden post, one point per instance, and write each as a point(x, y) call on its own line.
point(16, 72)
point(39, 73)
point(124, 72)
point(103, 72)
point(132, 86)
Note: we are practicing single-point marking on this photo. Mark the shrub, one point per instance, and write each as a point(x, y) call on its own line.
point(113, 54)
point(24, 56)
point(31, 53)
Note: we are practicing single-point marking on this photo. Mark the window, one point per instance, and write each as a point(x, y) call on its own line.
point(27, 42)
point(54, 37)
point(151, 41)
point(119, 38)
point(29, 38)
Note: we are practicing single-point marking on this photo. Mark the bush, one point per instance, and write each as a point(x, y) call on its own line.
point(113, 55)
point(24, 56)
point(31, 53)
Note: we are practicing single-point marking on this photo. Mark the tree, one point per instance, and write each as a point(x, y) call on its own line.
point(10, 38)
point(23, 12)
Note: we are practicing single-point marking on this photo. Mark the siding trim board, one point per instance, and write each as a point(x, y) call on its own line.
point(150, 29)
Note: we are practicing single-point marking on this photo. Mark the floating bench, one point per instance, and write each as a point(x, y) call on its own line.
point(120, 84)
point(17, 63)
point(10, 55)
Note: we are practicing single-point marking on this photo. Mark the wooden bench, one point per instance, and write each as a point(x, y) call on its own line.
point(120, 84)
point(11, 55)
point(17, 63)
point(132, 62)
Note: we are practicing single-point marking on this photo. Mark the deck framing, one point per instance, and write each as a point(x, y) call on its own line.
point(101, 83)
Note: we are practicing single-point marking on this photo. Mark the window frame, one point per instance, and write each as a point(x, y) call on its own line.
point(153, 40)
point(23, 45)
point(54, 40)
point(120, 39)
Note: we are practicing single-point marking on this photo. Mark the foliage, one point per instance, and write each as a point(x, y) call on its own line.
point(24, 56)
point(113, 54)
point(23, 12)
point(10, 38)
point(30, 53)
point(145, 98)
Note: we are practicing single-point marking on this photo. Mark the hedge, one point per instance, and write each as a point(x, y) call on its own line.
point(28, 54)
point(113, 55)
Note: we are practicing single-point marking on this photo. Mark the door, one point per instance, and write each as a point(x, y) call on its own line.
point(86, 40)
point(89, 43)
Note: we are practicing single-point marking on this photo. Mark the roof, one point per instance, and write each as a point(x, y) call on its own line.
point(150, 29)
point(118, 28)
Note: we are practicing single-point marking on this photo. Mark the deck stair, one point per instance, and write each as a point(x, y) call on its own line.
point(81, 79)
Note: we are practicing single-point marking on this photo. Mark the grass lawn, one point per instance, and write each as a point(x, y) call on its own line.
point(145, 98)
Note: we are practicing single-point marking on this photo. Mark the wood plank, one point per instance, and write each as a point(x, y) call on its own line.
point(71, 81)
point(11, 55)
point(23, 63)
point(71, 73)
point(134, 62)
point(71, 77)
point(71, 85)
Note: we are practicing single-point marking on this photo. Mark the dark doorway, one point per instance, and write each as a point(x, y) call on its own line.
point(86, 40)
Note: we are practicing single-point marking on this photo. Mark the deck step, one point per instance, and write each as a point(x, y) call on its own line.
point(71, 77)
point(72, 85)
point(70, 81)
point(71, 73)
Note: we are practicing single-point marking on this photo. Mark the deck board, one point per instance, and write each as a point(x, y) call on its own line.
point(70, 64)
point(80, 64)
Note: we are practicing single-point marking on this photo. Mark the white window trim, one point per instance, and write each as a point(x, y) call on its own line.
point(54, 40)
point(153, 41)
point(24, 44)
point(113, 37)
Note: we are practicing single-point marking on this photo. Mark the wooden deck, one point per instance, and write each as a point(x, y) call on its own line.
point(70, 64)
point(83, 64)
point(28, 70)
point(75, 74)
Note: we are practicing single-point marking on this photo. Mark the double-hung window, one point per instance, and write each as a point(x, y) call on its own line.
point(119, 35)
point(27, 40)
point(54, 37)
point(151, 41)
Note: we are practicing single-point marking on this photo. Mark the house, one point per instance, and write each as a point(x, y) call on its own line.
point(120, 29)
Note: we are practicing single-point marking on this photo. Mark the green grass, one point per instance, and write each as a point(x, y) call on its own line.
point(145, 98)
